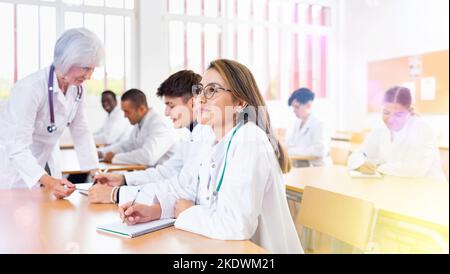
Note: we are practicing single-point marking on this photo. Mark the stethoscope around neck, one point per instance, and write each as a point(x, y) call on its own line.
point(219, 184)
point(52, 127)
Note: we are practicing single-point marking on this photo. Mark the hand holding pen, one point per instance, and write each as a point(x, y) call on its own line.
point(96, 175)
point(128, 213)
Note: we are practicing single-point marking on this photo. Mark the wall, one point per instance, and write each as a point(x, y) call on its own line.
point(365, 31)
point(382, 29)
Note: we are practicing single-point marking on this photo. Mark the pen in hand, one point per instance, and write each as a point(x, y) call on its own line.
point(97, 173)
point(132, 203)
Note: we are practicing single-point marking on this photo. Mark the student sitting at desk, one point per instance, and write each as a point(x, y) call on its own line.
point(404, 146)
point(175, 173)
point(151, 141)
point(240, 193)
point(116, 127)
point(308, 136)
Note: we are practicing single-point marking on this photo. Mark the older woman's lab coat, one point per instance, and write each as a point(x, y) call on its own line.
point(26, 145)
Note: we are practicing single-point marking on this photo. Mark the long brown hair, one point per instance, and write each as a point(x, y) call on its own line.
point(243, 87)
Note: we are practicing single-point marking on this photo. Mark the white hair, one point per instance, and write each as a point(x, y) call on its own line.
point(77, 47)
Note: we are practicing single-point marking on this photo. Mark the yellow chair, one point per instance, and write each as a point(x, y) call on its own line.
point(339, 155)
point(358, 137)
point(344, 218)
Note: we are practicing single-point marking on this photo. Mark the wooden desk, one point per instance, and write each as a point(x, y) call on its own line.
point(340, 136)
point(345, 145)
point(414, 198)
point(32, 221)
point(70, 165)
point(301, 158)
point(71, 146)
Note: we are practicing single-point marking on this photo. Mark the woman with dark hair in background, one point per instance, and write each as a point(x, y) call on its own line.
point(404, 146)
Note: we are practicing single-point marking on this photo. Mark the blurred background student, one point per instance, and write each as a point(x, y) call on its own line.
point(116, 127)
point(151, 141)
point(308, 136)
point(404, 146)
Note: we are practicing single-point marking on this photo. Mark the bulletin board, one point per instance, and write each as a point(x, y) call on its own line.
point(426, 75)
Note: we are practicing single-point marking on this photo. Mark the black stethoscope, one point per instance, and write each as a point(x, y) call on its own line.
point(52, 127)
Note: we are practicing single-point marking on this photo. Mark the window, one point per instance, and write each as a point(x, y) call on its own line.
point(39, 24)
point(284, 43)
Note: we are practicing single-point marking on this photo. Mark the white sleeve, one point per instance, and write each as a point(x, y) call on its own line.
point(235, 217)
point(159, 141)
point(112, 132)
point(415, 161)
point(368, 151)
point(171, 167)
point(150, 194)
point(120, 147)
point(83, 140)
point(23, 107)
point(146, 196)
point(98, 135)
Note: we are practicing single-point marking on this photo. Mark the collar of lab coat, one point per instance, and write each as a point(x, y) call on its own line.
point(307, 125)
point(144, 119)
point(401, 135)
point(116, 110)
point(57, 90)
point(192, 126)
point(219, 150)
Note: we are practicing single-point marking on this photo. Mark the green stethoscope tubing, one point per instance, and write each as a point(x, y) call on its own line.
point(226, 158)
point(219, 185)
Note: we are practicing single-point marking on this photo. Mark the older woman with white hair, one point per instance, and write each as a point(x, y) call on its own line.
point(41, 107)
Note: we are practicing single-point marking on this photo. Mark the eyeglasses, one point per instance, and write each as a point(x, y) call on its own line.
point(208, 91)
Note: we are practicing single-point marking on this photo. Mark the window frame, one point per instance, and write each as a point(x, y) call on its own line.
point(61, 8)
point(223, 21)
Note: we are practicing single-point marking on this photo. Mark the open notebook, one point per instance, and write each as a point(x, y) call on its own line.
point(131, 231)
point(357, 174)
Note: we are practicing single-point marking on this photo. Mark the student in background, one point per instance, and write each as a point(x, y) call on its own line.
point(404, 146)
point(308, 136)
point(116, 127)
point(151, 141)
point(41, 107)
point(176, 174)
point(240, 193)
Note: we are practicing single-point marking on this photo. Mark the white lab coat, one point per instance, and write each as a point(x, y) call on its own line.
point(176, 178)
point(151, 142)
point(26, 145)
point(115, 128)
point(310, 140)
point(251, 203)
point(413, 152)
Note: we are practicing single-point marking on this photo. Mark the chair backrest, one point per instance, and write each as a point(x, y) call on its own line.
point(339, 155)
point(345, 218)
point(358, 137)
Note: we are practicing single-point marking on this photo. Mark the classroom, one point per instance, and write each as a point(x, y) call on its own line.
point(224, 126)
